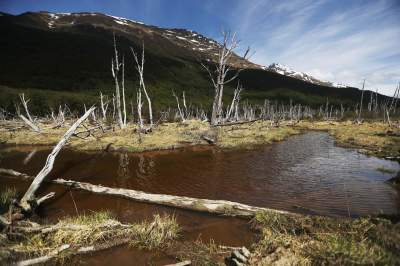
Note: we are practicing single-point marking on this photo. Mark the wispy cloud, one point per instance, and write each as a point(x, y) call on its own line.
point(340, 41)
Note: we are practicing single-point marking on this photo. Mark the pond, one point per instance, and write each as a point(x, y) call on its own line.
point(307, 173)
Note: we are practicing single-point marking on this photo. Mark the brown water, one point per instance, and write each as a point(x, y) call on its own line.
point(307, 173)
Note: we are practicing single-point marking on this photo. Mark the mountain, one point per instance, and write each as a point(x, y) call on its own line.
point(284, 70)
point(57, 57)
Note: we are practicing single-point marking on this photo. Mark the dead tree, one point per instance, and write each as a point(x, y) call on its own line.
point(181, 112)
point(219, 76)
point(361, 104)
point(115, 69)
point(235, 103)
point(104, 106)
point(142, 86)
point(29, 201)
point(28, 120)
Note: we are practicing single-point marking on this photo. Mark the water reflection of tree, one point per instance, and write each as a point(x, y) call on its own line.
point(145, 169)
point(123, 165)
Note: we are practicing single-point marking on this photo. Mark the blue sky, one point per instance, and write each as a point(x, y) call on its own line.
point(342, 41)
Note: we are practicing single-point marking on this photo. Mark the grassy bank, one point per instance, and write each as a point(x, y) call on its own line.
point(374, 138)
point(164, 136)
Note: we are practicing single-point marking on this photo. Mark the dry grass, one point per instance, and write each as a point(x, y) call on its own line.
point(164, 136)
point(200, 253)
point(7, 194)
point(375, 137)
point(94, 229)
point(248, 135)
point(314, 240)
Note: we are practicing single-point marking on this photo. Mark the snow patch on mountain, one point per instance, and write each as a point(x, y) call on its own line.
point(287, 71)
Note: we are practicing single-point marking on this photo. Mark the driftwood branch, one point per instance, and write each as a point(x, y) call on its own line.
point(29, 197)
point(30, 124)
point(45, 258)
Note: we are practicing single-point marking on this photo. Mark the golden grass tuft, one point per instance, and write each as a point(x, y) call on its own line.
point(95, 229)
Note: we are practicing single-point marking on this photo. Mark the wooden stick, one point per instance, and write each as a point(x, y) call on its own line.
point(43, 258)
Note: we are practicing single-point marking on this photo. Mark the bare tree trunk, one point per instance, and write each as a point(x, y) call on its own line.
point(140, 70)
point(115, 68)
point(29, 197)
point(104, 107)
point(123, 92)
point(29, 121)
point(30, 124)
point(361, 103)
point(179, 107)
point(235, 102)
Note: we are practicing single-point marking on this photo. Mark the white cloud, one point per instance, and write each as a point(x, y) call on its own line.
point(341, 43)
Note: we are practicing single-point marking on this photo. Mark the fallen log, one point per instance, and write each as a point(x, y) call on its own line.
point(235, 123)
point(221, 207)
point(45, 258)
point(73, 251)
point(182, 263)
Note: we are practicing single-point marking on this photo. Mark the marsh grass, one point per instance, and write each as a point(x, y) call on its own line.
point(314, 240)
point(95, 229)
point(163, 136)
point(376, 138)
point(6, 196)
point(200, 253)
point(385, 170)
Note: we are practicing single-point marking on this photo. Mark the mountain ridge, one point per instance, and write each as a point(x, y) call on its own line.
point(63, 52)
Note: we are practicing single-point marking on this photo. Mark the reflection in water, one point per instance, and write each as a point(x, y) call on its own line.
point(305, 173)
point(123, 165)
point(29, 156)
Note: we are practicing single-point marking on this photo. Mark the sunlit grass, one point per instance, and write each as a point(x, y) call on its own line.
point(314, 240)
point(95, 229)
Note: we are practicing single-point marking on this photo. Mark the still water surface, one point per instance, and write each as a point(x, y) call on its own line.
point(307, 173)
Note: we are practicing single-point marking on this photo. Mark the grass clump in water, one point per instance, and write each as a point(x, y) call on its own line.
point(6, 196)
point(96, 229)
point(314, 240)
point(385, 170)
point(155, 234)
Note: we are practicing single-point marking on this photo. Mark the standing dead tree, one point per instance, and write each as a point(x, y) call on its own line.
point(29, 201)
point(28, 120)
point(116, 66)
point(104, 106)
point(219, 77)
point(359, 121)
point(182, 111)
point(235, 104)
point(142, 86)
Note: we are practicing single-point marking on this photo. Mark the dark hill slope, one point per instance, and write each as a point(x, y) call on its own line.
point(72, 53)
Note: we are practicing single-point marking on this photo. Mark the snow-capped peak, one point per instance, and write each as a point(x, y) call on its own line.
point(287, 71)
